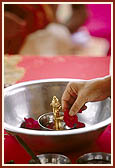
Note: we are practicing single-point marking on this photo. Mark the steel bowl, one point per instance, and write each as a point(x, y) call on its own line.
point(47, 119)
point(33, 98)
point(51, 158)
point(95, 158)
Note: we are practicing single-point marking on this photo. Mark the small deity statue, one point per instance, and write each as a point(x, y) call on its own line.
point(56, 108)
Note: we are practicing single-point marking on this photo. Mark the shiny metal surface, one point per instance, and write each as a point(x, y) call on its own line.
point(46, 122)
point(31, 99)
point(95, 158)
point(52, 159)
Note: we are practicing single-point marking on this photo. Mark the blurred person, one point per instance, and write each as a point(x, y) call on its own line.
point(22, 19)
point(77, 94)
point(66, 35)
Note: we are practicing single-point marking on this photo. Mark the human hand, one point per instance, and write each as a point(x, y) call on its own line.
point(78, 93)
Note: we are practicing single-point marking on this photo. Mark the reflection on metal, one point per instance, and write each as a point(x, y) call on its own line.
point(33, 98)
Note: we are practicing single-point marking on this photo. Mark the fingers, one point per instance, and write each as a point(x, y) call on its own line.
point(66, 104)
point(68, 98)
point(73, 98)
point(78, 104)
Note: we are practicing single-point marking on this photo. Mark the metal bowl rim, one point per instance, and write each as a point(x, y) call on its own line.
point(41, 124)
point(17, 85)
point(55, 154)
point(93, 154)
point(13, 129)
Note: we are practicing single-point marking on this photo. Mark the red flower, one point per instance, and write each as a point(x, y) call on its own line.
point(72, 121)
point(80, 125)
point(30, 123)
point(80, 111)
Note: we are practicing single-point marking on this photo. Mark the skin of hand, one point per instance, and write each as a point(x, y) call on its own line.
point(78, 93)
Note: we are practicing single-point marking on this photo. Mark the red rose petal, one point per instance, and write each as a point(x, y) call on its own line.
point(71, 121)
point(30, 123)
point(80, 125)
point(80, 111)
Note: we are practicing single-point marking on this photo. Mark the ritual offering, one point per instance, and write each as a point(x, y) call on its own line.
point(30, 123)
point(53, 120)
point(33, 113)
point(57, 120)
point(72, 121)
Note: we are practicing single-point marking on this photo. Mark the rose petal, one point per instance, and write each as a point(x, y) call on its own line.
point(30, 123)
point(72, 121)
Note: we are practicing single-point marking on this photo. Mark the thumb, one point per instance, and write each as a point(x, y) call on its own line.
point(78, 104)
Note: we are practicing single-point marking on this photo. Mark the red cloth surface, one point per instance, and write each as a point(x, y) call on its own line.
point(64, 67)
point(60, 67)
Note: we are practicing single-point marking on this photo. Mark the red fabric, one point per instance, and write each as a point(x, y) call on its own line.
point(99, 21)
point(64, 67)
point(60, 67)
point(34, 15)
point(11, 43)
point(23, 19)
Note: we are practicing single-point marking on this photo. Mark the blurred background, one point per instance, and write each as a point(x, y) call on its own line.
point(56, 41)
point(43, 41)
point(63, 29)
